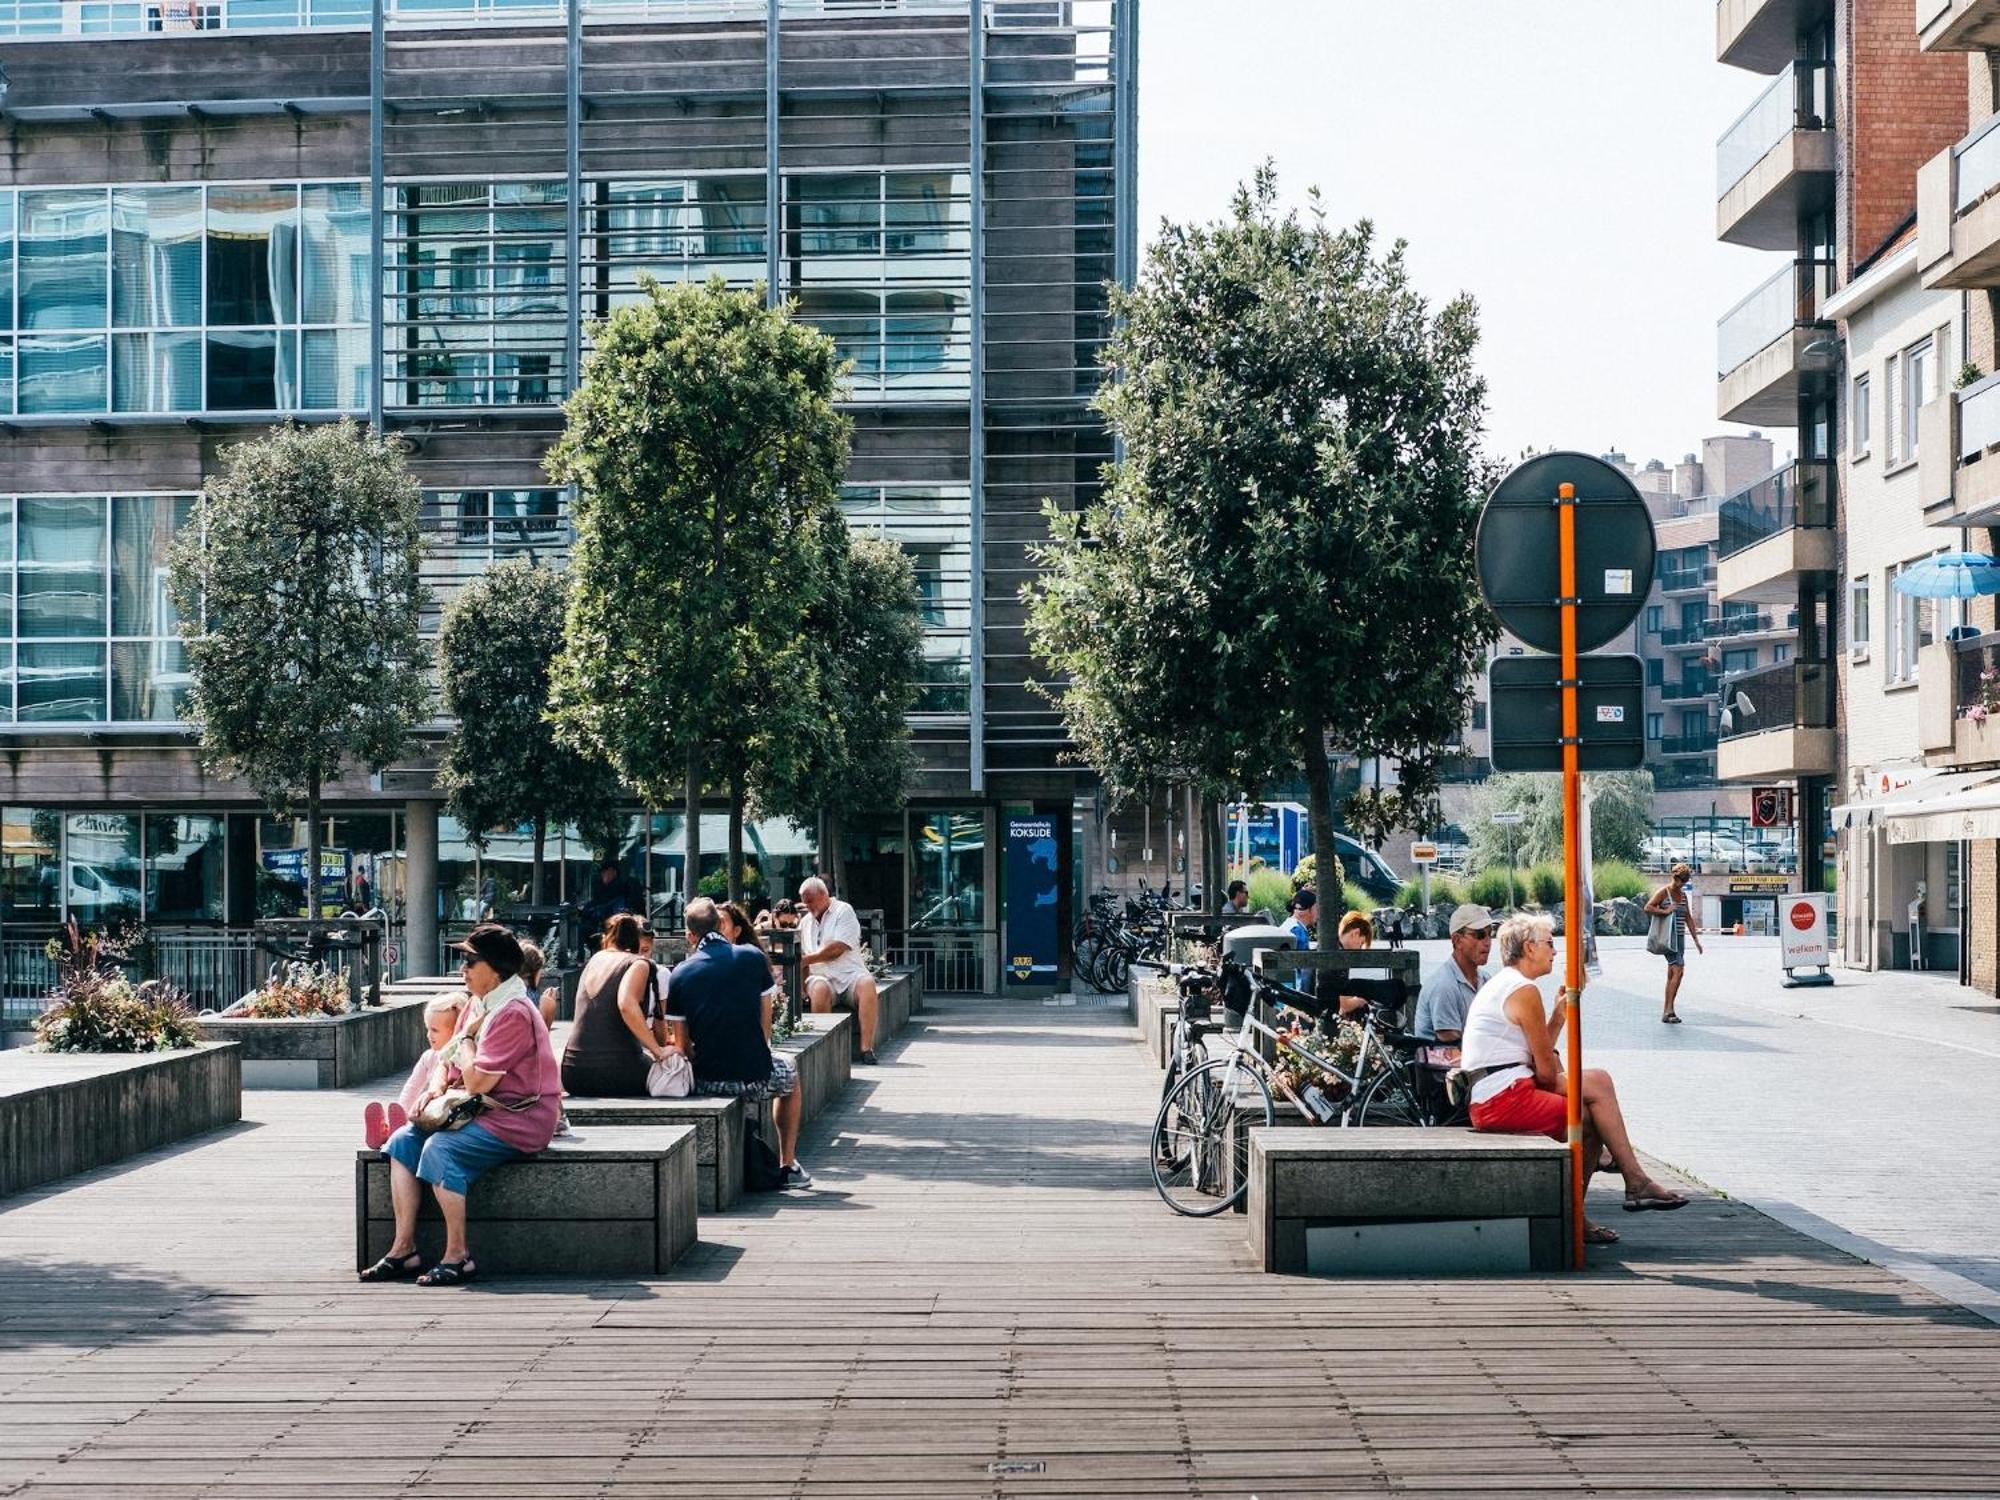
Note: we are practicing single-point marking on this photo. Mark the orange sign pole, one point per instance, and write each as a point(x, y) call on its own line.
point(1573, 917)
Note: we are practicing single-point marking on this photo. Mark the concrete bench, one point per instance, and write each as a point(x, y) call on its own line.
point(824, 1057)
point(1407, 1202)
point(608, 1201)
point(1155, 1002)
point(718, 1127)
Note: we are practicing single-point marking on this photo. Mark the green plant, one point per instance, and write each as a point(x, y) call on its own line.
point(1490, 889)
point(1611, 879)
point(1445, 892)
point(1969, 374)
point(715, 884)
point(298, 989)
point(1305, 873)
point(1545, 884)
point(1268, 889)
point(98, 1010)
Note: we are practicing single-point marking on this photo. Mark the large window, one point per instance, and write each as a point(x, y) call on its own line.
point(185, 299)
point(934, 528)
point(947, 868)
point(672, 229)
point(1913, 625)
point(467, 531)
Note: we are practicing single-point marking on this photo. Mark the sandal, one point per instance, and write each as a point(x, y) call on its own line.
point(1600, 1234)
point(395, 1268)
point(449, 1273)
point(1635, 1202)
point(1670, 1020)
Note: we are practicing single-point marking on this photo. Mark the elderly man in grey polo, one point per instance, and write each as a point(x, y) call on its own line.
point(830, 951)
point(1447, 994)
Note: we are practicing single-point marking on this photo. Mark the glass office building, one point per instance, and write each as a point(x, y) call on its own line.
point(216, 214)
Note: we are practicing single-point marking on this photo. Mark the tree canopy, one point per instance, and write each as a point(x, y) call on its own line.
point(1282, 563)
point(1621, 817)
point(503, 763)
point(706, 448)
point(297, 591)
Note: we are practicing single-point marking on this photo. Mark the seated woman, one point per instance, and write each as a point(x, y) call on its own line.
point(611, 1041)
point(739, 930)
point(1518, 1086)
point(501, 1051)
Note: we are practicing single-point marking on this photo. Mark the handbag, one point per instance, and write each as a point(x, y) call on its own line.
point(672, 1077)
point(1660, 934)
point(454, 1109)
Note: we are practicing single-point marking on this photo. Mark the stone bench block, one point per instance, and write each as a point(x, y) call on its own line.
point(607, 1201)
point(824, 1057)
point(327, 1052)
point(1407, 1201)
point(718, 1127)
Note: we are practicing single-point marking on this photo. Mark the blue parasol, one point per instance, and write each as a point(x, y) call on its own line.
point(1951, 575)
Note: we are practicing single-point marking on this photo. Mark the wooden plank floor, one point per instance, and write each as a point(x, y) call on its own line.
point(983, 1278)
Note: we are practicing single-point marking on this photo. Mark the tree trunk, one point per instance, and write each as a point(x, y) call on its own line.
point(1319, 796)
point(735, 885)
point(691, 861)
point(541, 845)
point(830, 853)
point(315, 942)
point(1214, 849)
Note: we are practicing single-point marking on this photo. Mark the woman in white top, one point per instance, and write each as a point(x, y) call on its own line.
point(1518, 1086)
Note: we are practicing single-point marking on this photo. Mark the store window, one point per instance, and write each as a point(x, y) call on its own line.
point(947, 868)
point(31, 864)
point(101, 869)
point(185, 859)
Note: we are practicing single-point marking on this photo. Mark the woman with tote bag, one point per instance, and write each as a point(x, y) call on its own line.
point(1673, 926)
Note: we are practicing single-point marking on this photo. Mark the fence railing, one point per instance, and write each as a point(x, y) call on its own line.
point(37, 18)
point(1972, 658)
point(953, 961)
point(1688, 744)
point(1800, 98)
point(1685, 635)
point(1800, 494)
point(1975, 166)
point(1762, 622)
point(1688, 689)
point(1795, 694)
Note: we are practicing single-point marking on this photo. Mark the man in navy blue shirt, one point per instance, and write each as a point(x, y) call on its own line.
point(722, 990)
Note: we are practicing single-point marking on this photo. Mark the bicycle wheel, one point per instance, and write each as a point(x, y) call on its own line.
point(1117, 969)
point(1201, 1137)
point(1084, 958)
point(1392, 1100)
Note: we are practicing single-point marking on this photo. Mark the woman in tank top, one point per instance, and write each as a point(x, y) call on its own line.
point(1509, 1053)
point(611, 1043)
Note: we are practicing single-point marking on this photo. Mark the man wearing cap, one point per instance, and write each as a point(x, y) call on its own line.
point(1303, 916)
point(1447, 994)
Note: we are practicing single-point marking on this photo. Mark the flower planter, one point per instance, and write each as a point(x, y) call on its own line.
point(325, 1052)
point(67, 1112)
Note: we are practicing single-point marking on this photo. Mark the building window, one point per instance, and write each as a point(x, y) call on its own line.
point(1655, 619)
point(1858, 417)
point(1912, 626)
point(1655, 724)
point(1738, 661)
point(1858, 626)
point(933, 525)
point(1916, 393)
point(1780, 652)
point(467, 531)
point(1479, 714)
point(1655, 671)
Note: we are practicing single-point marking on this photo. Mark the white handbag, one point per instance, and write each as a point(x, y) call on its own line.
point(672, 1077)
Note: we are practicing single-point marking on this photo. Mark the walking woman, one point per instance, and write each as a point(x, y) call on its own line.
point(1671, 901)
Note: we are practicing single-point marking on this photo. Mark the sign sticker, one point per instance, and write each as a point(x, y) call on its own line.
point(1611, 713)
point(1618, 580)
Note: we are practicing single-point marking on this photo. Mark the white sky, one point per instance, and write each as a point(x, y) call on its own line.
point(1554, 158)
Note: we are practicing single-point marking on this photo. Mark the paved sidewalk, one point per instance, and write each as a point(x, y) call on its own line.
point(985, 1278)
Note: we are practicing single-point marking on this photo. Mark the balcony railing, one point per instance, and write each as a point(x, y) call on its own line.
point(1686, 635)
point(1972, 658)
point(1800, 494)
point(1760, 622)
point(1682, 580)
point(1793, 694)
point(1978, 417)
point(1975, 166)
point(1800, 98)
point(1790, 299)
point(51, 18)
point(1688, 744)
point(1688, 689)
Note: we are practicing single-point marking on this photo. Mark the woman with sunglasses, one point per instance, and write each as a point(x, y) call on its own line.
point(501, 1051)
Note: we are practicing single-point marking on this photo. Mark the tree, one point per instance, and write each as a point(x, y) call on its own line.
point(1282, 564)
point(1621, 817)
point(705, 444)
point(503, 764)
point(849, 749)
point(297, 591)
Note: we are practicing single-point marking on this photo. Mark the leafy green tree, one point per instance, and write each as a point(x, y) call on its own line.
point(503, 764)
point(297, 590)
point(1621, 818)
point(705, 445)
point(1282, 564)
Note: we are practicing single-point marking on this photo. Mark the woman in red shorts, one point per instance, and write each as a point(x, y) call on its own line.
point(1517, 1085)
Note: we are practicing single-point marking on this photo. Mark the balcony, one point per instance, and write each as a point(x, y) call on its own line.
point(1688, 744)
point(1761, 36)
point(1686, 638)
point(1773, 343)
point(1958, 456)
point(1770, 534)
point(1736, 627)
point(1958, 25)
point(1775, 164)
point(1778, 723)
point(1958, 213)
point(1688, 689)
point(1949, 681)
point(1687, 580)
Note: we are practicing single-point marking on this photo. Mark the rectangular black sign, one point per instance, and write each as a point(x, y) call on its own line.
point(1527, 713)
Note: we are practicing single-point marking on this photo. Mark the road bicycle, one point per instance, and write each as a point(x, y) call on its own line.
point(1201, 1136)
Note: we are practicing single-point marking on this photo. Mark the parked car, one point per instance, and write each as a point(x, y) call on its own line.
point(1660, 853)
point(94, 891)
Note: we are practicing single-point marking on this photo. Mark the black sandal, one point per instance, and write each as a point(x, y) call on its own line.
point(395, 1268)
point(450, 1273)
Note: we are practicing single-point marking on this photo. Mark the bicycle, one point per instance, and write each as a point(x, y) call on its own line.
point(1200, 1141)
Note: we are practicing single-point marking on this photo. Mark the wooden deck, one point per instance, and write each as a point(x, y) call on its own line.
point(984, 1278)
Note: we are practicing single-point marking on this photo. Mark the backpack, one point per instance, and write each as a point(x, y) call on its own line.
point(761, 1172)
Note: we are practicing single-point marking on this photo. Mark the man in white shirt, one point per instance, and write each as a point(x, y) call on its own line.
point(830, 951)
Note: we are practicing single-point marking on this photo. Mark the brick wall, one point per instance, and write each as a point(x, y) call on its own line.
point(1904, 106)
point(1983, 930)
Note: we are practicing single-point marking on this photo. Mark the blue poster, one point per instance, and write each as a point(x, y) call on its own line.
point(290, 864)
point(1031, 901)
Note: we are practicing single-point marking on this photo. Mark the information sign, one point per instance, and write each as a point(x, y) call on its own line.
point(1802, 931)
point(1031, 901)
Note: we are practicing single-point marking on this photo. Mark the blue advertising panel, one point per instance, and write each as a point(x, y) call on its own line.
point(290, 865)
point(1031, 901)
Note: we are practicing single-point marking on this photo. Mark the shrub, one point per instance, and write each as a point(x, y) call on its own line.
point(298, 990)
point(1268, 889)
point(1544, 884)
point(1489, 887)
point(99, 1010)
point(1613, 878)
point(1445, 894)
point(1304, 873)
point(715, 884)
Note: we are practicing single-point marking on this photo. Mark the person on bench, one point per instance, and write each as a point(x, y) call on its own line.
point(1518, 1086)
point(830, 953)
point(1448, 994)
point(611, 1041)
point(501, 1052)
point(724, 992)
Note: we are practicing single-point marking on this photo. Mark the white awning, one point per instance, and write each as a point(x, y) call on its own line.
point(1921, 788)
point(1958, 812)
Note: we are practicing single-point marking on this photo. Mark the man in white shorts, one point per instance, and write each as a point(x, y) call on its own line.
point(830, 951)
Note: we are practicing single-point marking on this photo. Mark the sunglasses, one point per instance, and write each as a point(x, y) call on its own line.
point(1477, 934)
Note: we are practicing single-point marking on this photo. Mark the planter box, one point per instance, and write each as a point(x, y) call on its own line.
point(326, 1052)
point(67, 1112)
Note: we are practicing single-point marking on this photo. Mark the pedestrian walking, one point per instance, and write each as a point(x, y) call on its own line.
point(1670, 904)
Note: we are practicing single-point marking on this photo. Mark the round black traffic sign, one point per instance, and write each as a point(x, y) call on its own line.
point(1519, 550)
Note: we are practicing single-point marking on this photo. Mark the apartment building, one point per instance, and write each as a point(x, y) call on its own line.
point(216, 214)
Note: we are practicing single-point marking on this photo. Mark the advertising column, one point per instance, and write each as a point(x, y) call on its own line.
point(1032, 902)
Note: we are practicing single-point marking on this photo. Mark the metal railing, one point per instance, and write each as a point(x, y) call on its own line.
point(1688, 689)
point(1688, 744)
point(1800, 98)
point(1972, 658)
point(1681, 580)
point(1800, 494)
point(1975, 166)
point(1978, 418)
point(953, 961)
point(1785, 695)
point(1788, 299)
point(1761, 622)
point(38, 18)
point(27, 974)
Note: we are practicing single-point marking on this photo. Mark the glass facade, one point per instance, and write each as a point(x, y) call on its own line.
point(467, 531)
point(933, 525)
point(135, 299)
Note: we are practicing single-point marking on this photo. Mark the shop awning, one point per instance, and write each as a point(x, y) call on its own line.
point(1922, 786)
point(1963, 811)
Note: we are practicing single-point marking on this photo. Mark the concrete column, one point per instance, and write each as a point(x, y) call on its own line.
point(420, 887)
